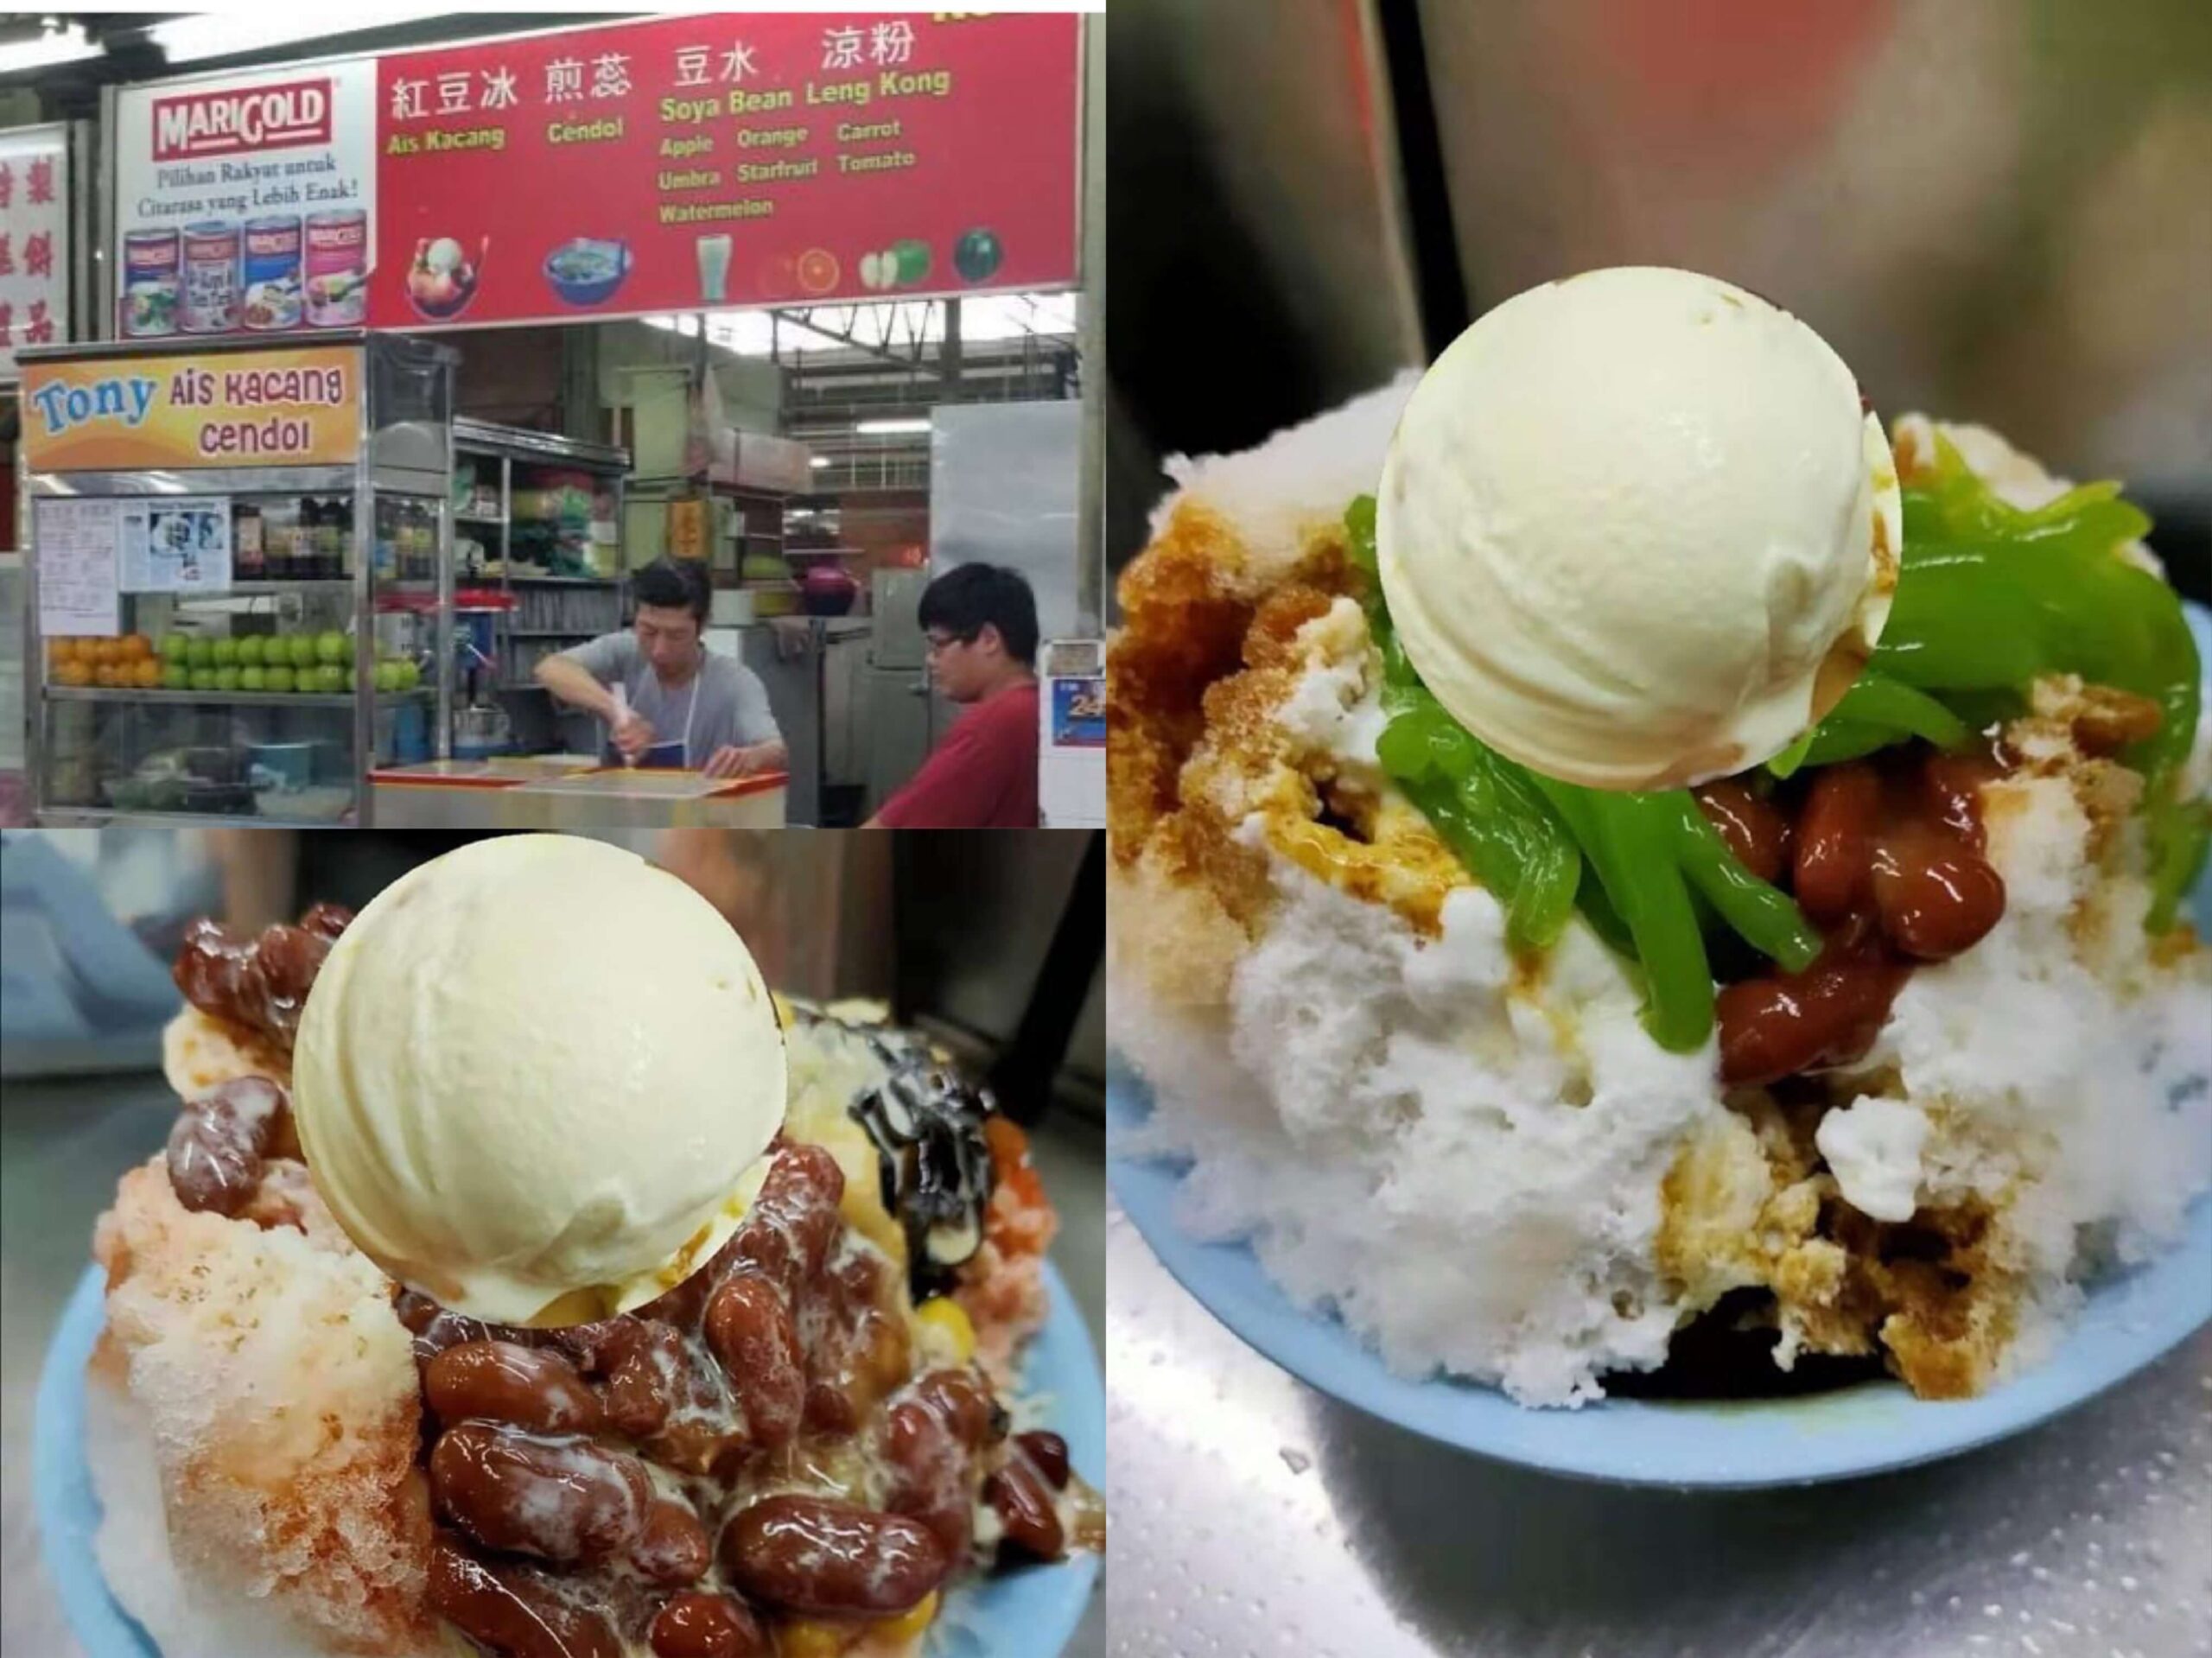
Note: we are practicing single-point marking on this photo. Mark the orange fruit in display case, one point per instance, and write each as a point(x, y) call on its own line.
point(73, 672)
point(817, 271)
point(136, 647)
point(59, 651)
point(147, 674)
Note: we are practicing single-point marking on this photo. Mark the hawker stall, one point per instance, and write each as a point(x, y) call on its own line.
point(240, 579)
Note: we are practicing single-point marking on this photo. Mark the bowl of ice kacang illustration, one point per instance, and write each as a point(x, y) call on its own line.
point(442, 279)
point(585, 270)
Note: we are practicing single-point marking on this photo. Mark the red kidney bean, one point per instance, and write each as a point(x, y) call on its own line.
point(673, 1546)
point(787, 1235)
point(1025, 1509)
point(706, 1626)
point(1951, 786)
point(261, 982)
point(812, 1554)
point(560, 1499)
point(749, 1327)
point(595, 1348)
point(1753, 826)
point(218, 1145)
point(638, 1389)
point(961, 1402)
point(327, 920)
point(1049, 1452)
point(1829, 1015)
point(929, 1474)
point(443, 1329)
point(498, 1382)
point(1835, 840)
point(1936, 896)
point(506, 1610)
point(414, 1309)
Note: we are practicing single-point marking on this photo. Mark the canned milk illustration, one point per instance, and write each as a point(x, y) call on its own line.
point(149, 283)
point(271, 272)
point(337, 269)
point(210, 283)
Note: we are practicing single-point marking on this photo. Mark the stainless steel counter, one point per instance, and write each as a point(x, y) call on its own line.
point(62, 1145)
point(1255, 1518)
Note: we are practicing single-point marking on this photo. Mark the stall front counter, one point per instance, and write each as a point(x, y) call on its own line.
point(561, 791)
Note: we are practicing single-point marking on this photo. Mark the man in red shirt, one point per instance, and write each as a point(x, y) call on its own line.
point(982, 624)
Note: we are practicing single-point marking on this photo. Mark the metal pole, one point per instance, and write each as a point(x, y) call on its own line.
point(103, 174)
point(365, 615)
point(1091, 486)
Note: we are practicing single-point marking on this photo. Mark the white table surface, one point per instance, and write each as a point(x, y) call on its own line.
point(1255, 1518)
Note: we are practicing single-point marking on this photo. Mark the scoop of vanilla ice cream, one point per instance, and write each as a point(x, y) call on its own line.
point(532, 1076)
point(1636, 530)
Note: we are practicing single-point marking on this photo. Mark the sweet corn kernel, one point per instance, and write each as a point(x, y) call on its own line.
point(947, 1316)
point(909, 1624)
point(804, 1638)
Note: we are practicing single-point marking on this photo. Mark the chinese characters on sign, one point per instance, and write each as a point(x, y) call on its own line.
point(33, 240)
point(622, 169)
point(725, 158)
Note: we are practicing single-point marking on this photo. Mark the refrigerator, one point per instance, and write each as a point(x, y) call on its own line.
point(811, 667)
point(900, 713)
point(1003, 478)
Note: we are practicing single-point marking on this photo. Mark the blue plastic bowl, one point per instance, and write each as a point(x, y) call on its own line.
point(597, 290)
point(1027, 1613)
point(2130, 1319)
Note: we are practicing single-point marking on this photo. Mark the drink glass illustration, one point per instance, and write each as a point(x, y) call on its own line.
point(714, 269)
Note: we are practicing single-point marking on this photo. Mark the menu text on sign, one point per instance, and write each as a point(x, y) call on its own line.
point(726, 159)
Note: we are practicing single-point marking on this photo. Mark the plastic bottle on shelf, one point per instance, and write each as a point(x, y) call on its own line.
point(280, 533)
point(247, 562)
point(328, 554)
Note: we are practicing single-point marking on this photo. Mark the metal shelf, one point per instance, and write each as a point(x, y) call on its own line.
point(250, 590)
point(250, 699)
point(557, 632)
point(94, 817)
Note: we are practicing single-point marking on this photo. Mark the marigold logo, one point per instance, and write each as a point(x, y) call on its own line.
point(253, 118)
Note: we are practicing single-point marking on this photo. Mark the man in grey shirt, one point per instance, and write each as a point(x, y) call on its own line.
point(666, 699)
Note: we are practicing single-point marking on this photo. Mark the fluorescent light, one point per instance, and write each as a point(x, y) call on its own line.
point(222, 35)
point(889, 428)
point(817, 462)
point(54, 46)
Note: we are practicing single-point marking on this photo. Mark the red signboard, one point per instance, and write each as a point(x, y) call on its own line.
point(725, 160)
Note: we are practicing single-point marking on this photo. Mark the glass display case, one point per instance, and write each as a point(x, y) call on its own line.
point(240, 578)
point(539, 559)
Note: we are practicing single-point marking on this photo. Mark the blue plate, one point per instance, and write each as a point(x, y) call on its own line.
point(2130, 1319)
point(1028, 1613)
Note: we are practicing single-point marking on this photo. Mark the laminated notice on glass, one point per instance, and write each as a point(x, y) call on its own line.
point(72, 550)
point(177, 544)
